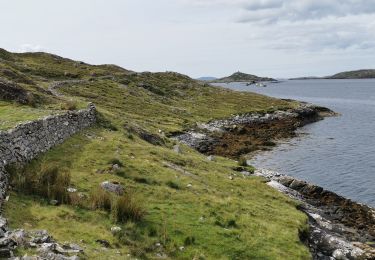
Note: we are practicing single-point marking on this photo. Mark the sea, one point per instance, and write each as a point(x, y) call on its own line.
point(337, 153)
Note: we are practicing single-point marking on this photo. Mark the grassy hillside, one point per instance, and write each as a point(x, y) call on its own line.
point(242, 77)
point(357, 74)
point(194, 208)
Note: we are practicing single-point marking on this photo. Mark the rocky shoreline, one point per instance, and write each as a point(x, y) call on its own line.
point(246, 133)
point(338, 227)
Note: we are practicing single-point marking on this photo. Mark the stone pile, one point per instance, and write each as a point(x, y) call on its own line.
point(42, 243)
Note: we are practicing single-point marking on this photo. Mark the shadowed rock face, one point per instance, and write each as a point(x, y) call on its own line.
point(12, 92)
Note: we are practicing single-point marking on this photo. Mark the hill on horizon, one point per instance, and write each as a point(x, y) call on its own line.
point(206, 78)
point(353, 74)
point(242, 77)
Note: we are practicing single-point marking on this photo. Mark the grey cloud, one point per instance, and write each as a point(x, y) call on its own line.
point(319, 35)
point(263, 4)
point(271, 11)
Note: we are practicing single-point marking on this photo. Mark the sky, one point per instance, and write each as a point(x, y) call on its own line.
point(276, 38)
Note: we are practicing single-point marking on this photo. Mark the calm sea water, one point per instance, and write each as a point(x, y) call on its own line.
point(337, 153)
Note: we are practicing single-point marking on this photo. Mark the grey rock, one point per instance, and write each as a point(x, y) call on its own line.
point(113, 187)
point(211, 158)
point(115, 167)
point(53, 202)
point(19, 236)
point(5, 253)
point(115, 229)
point(71, 190)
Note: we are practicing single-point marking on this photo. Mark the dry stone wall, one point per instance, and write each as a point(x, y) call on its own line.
point(28, 140)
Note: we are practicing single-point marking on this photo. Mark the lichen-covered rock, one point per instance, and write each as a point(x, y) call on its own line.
point(113, 187)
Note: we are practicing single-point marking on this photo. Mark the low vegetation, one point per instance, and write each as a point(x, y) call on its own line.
point(175, 205)
point(357, 74)
point(242, 77)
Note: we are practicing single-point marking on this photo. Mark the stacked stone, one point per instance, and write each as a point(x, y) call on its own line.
point(28, 140)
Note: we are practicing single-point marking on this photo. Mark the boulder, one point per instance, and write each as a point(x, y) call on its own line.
point(113, 187)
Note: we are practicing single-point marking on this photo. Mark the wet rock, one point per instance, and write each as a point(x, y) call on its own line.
point(297, 184)
point(113, 187)
point(335, 222)
point(286, 181)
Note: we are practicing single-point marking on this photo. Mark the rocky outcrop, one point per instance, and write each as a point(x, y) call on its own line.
point(28, 140)
point(41, 242)
point(245, 133)
point(12, 92)
point(339, 228)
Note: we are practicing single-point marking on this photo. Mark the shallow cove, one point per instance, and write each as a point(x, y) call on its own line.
point(337, 153)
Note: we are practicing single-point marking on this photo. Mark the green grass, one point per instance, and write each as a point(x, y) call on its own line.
point(267, 223)
point(12, 114)
point(195, 205)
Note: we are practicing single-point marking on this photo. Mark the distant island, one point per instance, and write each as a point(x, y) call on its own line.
point(355, 74)
point(242, 77)
point(207, 78)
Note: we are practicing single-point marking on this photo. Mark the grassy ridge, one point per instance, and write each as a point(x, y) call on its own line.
point(195, 208)
point(356, 74)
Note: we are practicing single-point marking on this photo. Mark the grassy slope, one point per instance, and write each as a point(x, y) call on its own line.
point(267, 223)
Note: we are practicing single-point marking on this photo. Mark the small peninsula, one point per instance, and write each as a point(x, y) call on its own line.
point(242, 77)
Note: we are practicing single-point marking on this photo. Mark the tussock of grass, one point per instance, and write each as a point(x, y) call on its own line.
point(100, 199)
point(128, 207)
point(46, 181)
point(69, 105)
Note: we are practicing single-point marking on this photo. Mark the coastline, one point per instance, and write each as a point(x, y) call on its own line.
point(339, 227)
point(246, 133)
